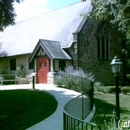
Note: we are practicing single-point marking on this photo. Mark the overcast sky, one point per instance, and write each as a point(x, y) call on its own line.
point(31, 8)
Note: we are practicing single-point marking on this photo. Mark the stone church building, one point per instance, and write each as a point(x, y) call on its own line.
point(53, 40)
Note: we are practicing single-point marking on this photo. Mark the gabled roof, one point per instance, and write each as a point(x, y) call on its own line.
point(57, 25)
point(52, 49)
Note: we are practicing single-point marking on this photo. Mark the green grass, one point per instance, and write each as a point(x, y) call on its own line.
point(20, 109)
point(105, 104)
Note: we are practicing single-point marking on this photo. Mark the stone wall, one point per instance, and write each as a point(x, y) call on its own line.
point(20, 60)
point(88, 52)
point(4, 65)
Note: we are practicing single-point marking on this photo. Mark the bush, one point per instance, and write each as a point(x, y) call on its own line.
point(107, 125)
point(110, 89)
point(111, 125)
point(74, 79)
point(128, 76)
point(125, 90)
point(105, 89)
point(128, 79)
point(58, 81)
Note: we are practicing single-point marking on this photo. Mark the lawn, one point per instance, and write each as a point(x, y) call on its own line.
point(105, 104)
point(20, 109)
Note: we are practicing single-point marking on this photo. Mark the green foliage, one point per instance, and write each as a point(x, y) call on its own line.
point(105, 105)
point(109, 125)
point(21, 109)
point(3, 53)
point(105, 89)
point(116, 12)
point(99, 88)
point(128, 76)
point(7, 14)
point(5, 71)
point(74, 79)
point(125, 90)
point(110, 89)
point(19, 71)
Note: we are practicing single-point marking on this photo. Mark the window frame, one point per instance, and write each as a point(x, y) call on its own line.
point(31, 65)
point(12, 64)
point(103, 42)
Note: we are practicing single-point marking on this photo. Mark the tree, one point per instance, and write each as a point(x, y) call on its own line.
point(7, 14)
point(116, 12)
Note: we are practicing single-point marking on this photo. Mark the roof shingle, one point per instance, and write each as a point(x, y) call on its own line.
point(57, 25)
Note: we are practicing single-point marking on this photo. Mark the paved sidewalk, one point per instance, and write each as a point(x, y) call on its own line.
point(55, 121)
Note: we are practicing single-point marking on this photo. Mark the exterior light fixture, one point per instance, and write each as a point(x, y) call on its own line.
point(116, 67)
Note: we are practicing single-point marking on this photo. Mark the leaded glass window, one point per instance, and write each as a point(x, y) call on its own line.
point(103, 41)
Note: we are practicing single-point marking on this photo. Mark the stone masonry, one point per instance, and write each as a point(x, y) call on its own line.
point(87, 52)
point(20, 60)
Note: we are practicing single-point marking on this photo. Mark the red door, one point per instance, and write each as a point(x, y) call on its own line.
point(42, 69)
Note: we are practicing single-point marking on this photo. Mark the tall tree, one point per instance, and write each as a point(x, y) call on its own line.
point(7, 17)
point(118, 13)
point(7, 14)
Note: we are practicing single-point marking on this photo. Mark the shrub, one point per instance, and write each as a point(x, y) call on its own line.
point(98, 87)
point(110, 89)
point(128, 76)
point(105, 89)
point(125, 90)
point(128, 79)
point(111, 125)
point(19, 71)
point(74, 79)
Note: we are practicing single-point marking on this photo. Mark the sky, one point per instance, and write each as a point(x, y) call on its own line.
point(31, 8)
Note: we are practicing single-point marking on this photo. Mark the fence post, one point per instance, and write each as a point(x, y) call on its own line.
point(82, 107)
point(92, 94)
point(33, 81)
point(64, 121)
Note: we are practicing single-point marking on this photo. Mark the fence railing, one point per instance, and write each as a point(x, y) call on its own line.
point(78, 107)
point(76, 110)
point(73, 123)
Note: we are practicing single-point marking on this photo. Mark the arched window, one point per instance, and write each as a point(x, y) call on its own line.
point(103, 41)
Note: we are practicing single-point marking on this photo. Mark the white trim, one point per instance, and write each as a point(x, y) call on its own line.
point(35, 65)
point(51, 65)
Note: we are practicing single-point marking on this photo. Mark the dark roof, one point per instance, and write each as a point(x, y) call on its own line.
point(57, 25)
point(52, 49)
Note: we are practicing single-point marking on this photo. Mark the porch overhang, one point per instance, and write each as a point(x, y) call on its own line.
point(52, 49)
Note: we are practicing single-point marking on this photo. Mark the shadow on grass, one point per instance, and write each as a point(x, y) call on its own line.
point(106, 111)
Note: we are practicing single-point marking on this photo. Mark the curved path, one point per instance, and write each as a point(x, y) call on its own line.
point(55, 121)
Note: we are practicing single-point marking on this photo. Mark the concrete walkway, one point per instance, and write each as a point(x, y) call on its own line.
point(55, 121)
